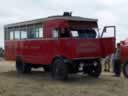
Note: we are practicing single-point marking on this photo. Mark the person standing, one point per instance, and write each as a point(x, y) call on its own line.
point(117, 65)
point(107, 64)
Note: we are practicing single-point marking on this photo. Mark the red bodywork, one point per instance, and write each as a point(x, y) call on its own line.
point(43, 51)
point(124, 51)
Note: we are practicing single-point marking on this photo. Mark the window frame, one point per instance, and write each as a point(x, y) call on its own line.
point(6, 34)
point(12, 31)
point(57, 31)
point(32, 31)
point(17, 30)
point(36, 28)
point(42, 32)
point(23, 28)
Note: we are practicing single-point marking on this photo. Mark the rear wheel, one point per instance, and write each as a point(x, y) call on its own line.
point(95, 69)
point(125, 69)
point(46, 68)
point(21, 67)
point(59, 69)
point(27, 68)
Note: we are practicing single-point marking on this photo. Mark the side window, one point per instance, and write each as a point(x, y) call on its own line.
point(17, 35)
point(55, 33)
point(41, 32)
point(23, 34)
point(75, 33)
point(64, 33)
point(11, 35)
point(32, 32)
point(35, 32)
point(7, 33)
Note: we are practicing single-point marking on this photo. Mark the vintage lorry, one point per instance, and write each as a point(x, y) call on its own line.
point(60, 44)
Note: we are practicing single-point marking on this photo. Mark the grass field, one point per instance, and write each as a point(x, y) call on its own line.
point(40, 84)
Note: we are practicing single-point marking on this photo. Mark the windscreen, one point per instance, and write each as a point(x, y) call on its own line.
point(83, 29)
point(84, 33)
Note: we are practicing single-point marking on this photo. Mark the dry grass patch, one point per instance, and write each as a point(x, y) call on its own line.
point(40, 84)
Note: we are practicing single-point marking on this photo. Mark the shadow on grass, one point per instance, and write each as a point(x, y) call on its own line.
point(40, 76)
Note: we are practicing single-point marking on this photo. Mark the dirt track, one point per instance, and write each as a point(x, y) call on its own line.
point(40, 84)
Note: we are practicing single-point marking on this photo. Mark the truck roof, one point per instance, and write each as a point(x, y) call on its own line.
point(41, 20)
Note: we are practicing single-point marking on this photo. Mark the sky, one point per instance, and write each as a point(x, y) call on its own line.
point(108, 12)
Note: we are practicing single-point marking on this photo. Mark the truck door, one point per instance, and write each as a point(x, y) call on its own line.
point(108, 40)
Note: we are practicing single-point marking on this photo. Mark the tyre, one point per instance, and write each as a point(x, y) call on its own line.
point(95, 69)
point(21, 67)
point(86, 68)
point(59, 69)
point(46, 68)
point(27, 68)
point(125, 69)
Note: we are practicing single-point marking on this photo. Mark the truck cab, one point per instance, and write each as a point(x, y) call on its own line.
point(80, 45)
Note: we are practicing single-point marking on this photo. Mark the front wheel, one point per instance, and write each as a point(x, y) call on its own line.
point(95, 69)
point(125, 69)
point(59, 69)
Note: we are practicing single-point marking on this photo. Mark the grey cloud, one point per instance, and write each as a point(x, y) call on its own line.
point(112, 12)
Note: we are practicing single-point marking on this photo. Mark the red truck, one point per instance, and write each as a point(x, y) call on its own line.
point(60, 44)
point(124, 56)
